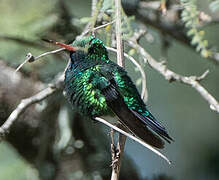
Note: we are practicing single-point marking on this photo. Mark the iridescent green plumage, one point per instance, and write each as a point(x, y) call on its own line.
point(97, 86)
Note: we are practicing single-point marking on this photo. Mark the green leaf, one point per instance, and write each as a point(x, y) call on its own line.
point(192, 32)
point(131, 52)
point(205, 53)
point(185, 13)
point(186, 18)
point(205, 43)
point(195, 40)
point(199, 47)
point(201, 33)
point(188, 24)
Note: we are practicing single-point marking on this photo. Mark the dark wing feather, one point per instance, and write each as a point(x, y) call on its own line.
point(154, 125)
point(121, 81)
point(128, 118)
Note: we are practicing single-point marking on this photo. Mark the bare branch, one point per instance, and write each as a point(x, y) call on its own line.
point(133, 138)
point(49, 52)
point(104, 25)
point(119, 42)
point(172, 76)
point(30, 58)
point(25, 103)
point(120, 60)
point(202, 76)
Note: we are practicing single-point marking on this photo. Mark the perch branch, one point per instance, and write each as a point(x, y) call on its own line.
point(120, 60)
point(119, 42)
point(133, 138)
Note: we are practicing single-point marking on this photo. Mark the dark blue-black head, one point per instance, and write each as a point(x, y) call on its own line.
point(91, 46)
point(97, 47)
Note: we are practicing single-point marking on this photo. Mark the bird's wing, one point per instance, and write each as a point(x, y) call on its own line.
point(116, 103)
point(124, 100)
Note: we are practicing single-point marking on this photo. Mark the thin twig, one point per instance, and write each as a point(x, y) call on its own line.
point(120, 60)
point(94, 29)
point(50, 52)
point(119, 42)
point(103, 25)
point(172, 76)
point(30, 58)
point(133, 138)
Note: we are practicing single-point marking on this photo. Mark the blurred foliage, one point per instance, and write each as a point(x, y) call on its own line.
point(27, 19)
point(214, 6)
point(12, 166)
point(190, 16)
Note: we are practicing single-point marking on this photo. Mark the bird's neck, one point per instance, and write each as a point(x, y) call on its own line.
point(98, 57)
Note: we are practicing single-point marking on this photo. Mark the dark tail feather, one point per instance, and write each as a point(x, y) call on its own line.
point(154, 125)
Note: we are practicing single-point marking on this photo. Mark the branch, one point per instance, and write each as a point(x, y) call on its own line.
point(104, 25)
point(169, 75)
point(30, 58)
point(120, 60)
point(119, 43)
point(133, 138)
point(25, 103)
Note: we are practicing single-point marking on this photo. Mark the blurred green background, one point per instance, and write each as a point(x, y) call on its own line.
point(195, 152)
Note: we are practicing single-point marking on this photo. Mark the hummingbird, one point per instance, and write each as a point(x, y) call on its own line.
point(98, 87)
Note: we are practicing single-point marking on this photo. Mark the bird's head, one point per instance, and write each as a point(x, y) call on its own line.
point(94, 47)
